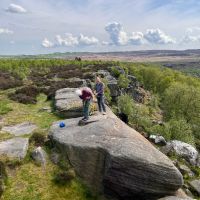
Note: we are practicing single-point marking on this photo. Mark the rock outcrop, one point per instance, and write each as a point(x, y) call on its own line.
point(14, 148)
point(20, 129)
point(67, 103)
point(113, 159)
point(186, 151)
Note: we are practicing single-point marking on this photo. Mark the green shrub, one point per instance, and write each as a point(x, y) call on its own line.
point(175, 129)
point(64, 177)
point(181, 130)
point(115, 72)
point(138, 114)
point(125, 105)
point(106, 91)
point(4, 107)
point(38, 138)
point(123, 81)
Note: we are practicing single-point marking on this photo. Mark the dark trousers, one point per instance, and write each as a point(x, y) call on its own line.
point(86, 108)
point(101, 104)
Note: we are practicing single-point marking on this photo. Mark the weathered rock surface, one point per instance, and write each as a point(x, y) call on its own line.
point(182, 149)
point(112, 158)
point(67, 103)
point(195, 186)
point(39, 155)
point(20, 129)
point(14, 148)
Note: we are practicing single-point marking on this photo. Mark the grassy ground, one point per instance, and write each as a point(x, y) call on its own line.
point(30, 181)
point(33, 182)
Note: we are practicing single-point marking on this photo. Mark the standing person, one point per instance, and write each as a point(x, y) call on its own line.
point(86, 95)
point(99, 91)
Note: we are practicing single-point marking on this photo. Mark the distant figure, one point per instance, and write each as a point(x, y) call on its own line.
point(78, 58)
point(99, 92)
point(86, 95)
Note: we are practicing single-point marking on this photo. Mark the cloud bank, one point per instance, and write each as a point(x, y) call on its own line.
point(153, 36)
point(69, 40)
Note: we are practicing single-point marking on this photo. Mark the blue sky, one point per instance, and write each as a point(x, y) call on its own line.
point(45, 26)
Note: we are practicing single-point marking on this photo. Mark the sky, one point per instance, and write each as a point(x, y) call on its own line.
point(47, 26)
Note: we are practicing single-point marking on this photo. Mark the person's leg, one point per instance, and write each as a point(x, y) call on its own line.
point(103, 103)
point(86, 109)
point(99, 103)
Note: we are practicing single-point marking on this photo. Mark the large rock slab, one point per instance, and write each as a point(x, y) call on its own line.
point(112, 158)
point(67, 103)
point(20, 129)
point(14, 148)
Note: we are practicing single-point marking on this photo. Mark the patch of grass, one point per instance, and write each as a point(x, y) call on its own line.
point(4, 107)
point(35, 183)
point(21, 113)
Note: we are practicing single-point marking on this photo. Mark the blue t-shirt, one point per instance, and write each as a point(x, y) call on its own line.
point(99, 88)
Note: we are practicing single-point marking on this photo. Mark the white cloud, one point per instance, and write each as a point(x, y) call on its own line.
point(14, 8)
point(85, 40)
point(192, 35)
point(119, 37)
point(137, 38)
point(156, 36)
point(190, 39)
point(193, 29)
point(47, 44)
point(117, 34)
point(5, 31)
point(68, 40)
point(105, 43)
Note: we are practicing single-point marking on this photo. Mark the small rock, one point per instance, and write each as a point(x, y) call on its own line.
point(195, 186)
point(189, 193)
point(45, 109)
point(120, 69)
point(20, 129)
point(39, 155)
point(158, 139)
point(198, 162)
point(186, 170)
point(55, 157)
point(14, 148)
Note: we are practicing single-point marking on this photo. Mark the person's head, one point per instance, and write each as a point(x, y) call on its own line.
point(98, 79)
point(79, 92)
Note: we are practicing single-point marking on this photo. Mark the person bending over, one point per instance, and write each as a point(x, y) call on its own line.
point(86, 95)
